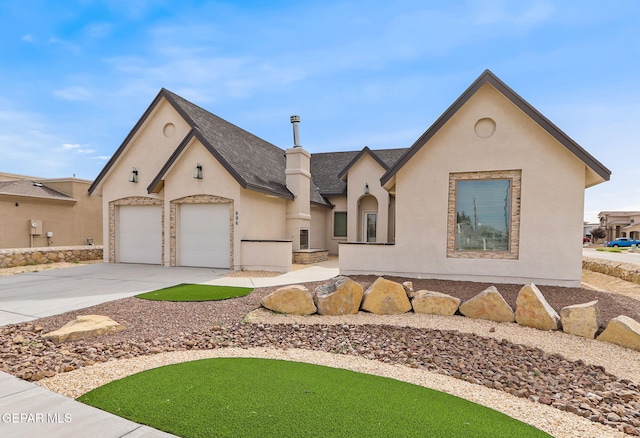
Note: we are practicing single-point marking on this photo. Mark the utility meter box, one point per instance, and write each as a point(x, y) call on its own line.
point(35, 227)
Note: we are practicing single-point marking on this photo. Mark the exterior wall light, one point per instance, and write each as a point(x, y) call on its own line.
point(133, 176)
point(198, 173)
point(366, 189)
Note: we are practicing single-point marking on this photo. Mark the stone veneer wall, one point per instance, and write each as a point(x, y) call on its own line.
point(38, 256)
point(624, 271)
point(308, 256)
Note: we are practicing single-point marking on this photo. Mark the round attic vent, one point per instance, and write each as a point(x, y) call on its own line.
point(485, 127)
point(168, 130)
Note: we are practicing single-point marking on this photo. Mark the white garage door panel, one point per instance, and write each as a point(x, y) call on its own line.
point(204, 235)
point(140, 234)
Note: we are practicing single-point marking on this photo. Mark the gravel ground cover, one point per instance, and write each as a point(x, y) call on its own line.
point(584, 378)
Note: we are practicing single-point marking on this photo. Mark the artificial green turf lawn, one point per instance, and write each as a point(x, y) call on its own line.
point(238, 397)
point(196, 292)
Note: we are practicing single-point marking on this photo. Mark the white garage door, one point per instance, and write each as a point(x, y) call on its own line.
point(139, 232)
point(204, 235)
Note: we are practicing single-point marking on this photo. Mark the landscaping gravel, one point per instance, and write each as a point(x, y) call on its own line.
point(594, 380)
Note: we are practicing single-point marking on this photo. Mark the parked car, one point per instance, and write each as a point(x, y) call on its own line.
point(623, 241)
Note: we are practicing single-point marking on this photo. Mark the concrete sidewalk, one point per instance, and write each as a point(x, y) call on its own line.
point(316, 272)
point(26, 409)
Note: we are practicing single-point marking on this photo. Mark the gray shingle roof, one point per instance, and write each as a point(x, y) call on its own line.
point(255, 163)
point(259, 164)
point(327, 167)
point(34, 189)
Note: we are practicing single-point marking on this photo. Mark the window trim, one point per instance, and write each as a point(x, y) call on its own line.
point(515, 177)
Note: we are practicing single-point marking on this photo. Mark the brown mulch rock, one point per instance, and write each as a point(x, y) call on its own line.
point(156, 326)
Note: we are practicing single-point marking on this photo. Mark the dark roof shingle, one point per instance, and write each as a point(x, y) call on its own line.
point(33, 189)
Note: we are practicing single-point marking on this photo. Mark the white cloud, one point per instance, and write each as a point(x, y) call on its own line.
point(502, 12)
point(99, 30)
point(73, 93)
point(28, 38)
point(70, 146)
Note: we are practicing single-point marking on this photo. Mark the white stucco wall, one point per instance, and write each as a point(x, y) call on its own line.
point(147, 152)
point(366, 171)
point(553, 182)
point(319, 218)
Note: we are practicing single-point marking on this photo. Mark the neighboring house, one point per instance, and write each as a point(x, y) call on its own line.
point(492, 191)
point(620, 224)
point(38, 212)
point(587, 227)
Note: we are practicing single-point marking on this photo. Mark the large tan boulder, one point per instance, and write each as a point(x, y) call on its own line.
point(532, 309)
point(581, 319)
point(340, 296)
point(294, 299)
point(84, 326)
point(386, 297)
point(488, 304)
point(623, 331)
point(435, 303)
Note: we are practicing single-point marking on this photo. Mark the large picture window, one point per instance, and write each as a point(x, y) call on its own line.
point(340, 224)
point(484, 214)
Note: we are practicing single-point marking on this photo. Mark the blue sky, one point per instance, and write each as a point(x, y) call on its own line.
point(75, 76)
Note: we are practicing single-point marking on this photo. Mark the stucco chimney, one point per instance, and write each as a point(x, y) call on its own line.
point(295, 121)
point(298, 180)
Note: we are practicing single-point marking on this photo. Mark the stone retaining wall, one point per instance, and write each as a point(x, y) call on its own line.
point(624, 271)
point(36, 256)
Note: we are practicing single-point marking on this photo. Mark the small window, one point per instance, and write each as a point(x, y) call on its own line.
point(340, 224)
point(304, 239)
point(484, 214)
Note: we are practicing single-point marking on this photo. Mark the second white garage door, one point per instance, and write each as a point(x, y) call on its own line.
point(204, 235)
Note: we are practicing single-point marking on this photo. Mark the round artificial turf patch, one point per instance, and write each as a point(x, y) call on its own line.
point(233, 397)
point(196, 292)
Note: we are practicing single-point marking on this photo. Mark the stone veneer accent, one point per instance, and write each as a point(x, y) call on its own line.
point(133, 200)
point(514, 233)
point(37, 256)
point(308, 256)
point(198, 199)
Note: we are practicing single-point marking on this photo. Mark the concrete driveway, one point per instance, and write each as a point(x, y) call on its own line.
point(25, 297)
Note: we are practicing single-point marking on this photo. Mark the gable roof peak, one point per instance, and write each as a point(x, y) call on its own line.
point(488, 77)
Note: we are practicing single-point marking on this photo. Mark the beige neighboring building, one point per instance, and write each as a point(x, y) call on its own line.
point(38, 212)
point(620, 224)
point(479, 196)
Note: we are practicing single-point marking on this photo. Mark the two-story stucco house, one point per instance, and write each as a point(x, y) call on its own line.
point(492, 191)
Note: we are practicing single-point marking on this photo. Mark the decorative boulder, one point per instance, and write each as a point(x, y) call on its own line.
point(385, 297)
point(340, 296)
point(532, 309)
point(294, 299)
point(84, 326)
point(435, 303)
point(623, 331)
point(488, 304)
point(581, 319)
point(408, 288)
